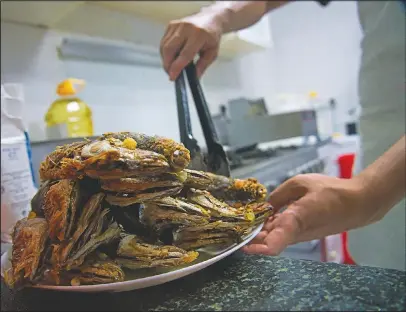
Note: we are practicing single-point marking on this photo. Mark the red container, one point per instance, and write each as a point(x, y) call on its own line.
point(346, 164)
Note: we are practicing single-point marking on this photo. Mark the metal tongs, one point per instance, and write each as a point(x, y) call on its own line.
point(216, 161)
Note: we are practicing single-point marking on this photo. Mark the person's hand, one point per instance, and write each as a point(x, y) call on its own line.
point(185, 38)
point(317, 206)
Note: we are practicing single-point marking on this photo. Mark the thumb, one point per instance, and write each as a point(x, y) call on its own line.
point(288, 192)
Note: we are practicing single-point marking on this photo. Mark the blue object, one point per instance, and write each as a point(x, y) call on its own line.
point(28, 145)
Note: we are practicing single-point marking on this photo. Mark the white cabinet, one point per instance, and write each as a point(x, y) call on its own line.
point(251, 39)
point(119, 20)
point(39, 13)
point(259, 33)
point(162, 11)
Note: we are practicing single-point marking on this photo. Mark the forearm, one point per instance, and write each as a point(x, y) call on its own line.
point(237, 15)
point(383, 182)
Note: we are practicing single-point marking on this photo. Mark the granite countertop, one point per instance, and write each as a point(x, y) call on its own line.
point(241, 282)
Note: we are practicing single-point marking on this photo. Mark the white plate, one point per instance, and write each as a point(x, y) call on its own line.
point(147, 278)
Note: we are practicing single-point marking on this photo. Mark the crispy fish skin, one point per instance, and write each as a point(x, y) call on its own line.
point(129, 191)
point(243, 191)
point(212, 227)
point(90, 227)
point(233, 229)
point(100, 159)
point(112, 233)
point(214, 233)
point(98, 268)
point(181, 205)
point(202, 180)
point(129, 163)
point(96, 271)
point(261, 210)
point(216, 207)
point(217, 225)
point(134, 253)
point(226, 188)
point(38, 200)
point(125, 200)
point(92, 206)
point(54, 166)
point(137, 184)
point(60, 205)
point(29, 240)
point(160, 218)
point(61, 259)
point(176, 153)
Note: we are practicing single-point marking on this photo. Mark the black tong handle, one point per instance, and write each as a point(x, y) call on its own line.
point(209, 131)
point(216, 160)
point(185, 125)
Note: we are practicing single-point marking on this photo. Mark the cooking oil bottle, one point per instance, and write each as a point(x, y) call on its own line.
point(69, 116)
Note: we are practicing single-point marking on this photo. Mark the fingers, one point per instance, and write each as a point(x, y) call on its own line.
point(270, 224)
point(170, 49)
point(259, 238)
point(256, 249)
point(181, 42)
point(284, 231)
point(288, 192)
point(273, 244)
point(205, 60)
point(186, 55)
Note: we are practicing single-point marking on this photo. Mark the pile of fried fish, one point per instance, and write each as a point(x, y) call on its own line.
point(126, 201)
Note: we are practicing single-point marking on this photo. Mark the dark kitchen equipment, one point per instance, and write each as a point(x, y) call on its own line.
point(216, 160)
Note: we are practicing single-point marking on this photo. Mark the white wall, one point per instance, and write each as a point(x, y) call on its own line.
point(122, 97)
point(315, 49)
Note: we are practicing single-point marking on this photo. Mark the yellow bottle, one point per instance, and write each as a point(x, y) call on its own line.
point(69, 116)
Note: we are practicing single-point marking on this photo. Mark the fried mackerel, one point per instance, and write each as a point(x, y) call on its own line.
point(86, 225)
point(217, 208)
point(61, 202)
point(225, 188)
point(30, 236)
point(125, 200)
point(224, 231)
point(261, 211)
point(170, 213)
point(129, 191)
point(54, 166)
point(134, 253)
point(75, 230)
point(215, 233)
point(101, 159)
point(97, 269)
point(177, 155)
point(38, 200)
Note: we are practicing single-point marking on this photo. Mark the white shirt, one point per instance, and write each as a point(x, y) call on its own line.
point(382, 123)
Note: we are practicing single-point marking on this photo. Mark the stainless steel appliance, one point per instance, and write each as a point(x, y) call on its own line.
point(248, 123)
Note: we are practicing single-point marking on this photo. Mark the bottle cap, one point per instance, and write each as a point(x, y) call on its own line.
point(70, 86)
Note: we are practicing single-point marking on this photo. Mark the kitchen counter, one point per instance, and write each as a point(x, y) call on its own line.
point(241, 282)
